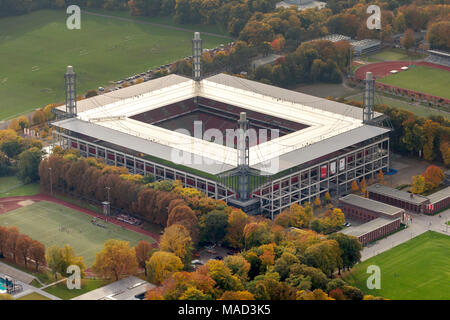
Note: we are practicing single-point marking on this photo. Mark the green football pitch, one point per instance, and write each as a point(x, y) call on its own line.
point(43, 221)
point(36, 48)
point(417, 269)
point(422, 79)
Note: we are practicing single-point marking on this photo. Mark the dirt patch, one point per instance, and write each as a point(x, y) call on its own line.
point(25, 203)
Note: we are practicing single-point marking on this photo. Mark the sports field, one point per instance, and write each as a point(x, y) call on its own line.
point(43, 221)
point(417, 269)
point(36, 48)
point(422, 79)
point(393, 54)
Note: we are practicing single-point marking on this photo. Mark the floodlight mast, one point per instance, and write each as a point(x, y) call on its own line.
point(71, 92)
point(369, 97)
point(243, 156)
point(197, 57)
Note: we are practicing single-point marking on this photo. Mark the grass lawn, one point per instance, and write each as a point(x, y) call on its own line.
point(423, 79)
point(12, 186)
point(61, 291)
point(34, 296)
point(393, 54)
point(417, 269)
point(36, 48)
point(417, 109)
point(42, 221)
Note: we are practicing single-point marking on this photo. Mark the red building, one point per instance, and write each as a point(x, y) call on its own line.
point(373, 230)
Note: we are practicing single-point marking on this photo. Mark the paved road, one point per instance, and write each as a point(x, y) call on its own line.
point(420, 224)
point(156, 24)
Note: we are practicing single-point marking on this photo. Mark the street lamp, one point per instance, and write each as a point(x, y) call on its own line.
point(107, 204)
point(51, 182)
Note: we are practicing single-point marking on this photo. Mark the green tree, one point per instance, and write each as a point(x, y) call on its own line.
point(28, 165)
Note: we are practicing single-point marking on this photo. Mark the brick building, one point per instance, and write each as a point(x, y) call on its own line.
point(373, 230)
point(438, 201)
point(398, 198)
point(365, 210)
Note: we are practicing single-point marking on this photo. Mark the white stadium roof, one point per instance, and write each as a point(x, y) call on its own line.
point(107, 117)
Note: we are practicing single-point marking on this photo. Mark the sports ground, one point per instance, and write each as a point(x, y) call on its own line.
point(422, 79)
point(417, 269)
point(55, 224)
point(36, 48)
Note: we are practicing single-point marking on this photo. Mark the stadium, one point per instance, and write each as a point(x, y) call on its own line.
point(282, 147)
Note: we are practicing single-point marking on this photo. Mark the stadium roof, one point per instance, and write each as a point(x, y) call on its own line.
point(368, 227)
point(370, 204)
point(397, 194)
point(331, 125)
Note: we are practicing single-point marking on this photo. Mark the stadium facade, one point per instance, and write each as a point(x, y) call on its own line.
point(310, 145)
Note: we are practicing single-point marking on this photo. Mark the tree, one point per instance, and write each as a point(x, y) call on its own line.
point(11, 241)
point(355, 186)
point(143, 251)
point(363, 186)
point(194, 294)
point(38, 117)
point(351, 249)
point(256, 234)
point(437, 35)
point(24, 243)
point(317, 294)
point(237, 295)
point(213, 226)
point(37, 254)
point(116, 259)
point(380, 177)
point(418, 184)
point(238, 266)
point(176, 239)
point(221, 274)
point(433, 177)
point(325, 255)
point(317, 202)
point(235, 230)
point(327, 197)
point(408, 41)
point(161, 265)
point(59, 259)
point(28, 165)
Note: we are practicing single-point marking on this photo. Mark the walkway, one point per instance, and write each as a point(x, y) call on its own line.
point(421, 224)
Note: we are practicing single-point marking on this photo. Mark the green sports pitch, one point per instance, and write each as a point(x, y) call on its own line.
point(54, 224)
point(422, 79)
point(36, 48)
point(415, 270)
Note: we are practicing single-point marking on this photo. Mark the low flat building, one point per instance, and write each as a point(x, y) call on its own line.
point(364, 210)
point(438, 201)
point(125, 289)
point(398, 198)
point(373, 230)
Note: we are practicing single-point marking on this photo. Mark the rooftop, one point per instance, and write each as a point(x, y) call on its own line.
point(397, 194)
point(107, 117)
point(369, 204)
point(125, 289)
point(439, 196)
point(368, 227)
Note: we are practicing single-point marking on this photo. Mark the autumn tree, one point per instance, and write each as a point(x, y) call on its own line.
point(418, 184)
point(325, 255)
point(11, 241)
point(238, 266)
point(176, 239)
point(59, 259)
point(161, 265)
point(116, 259)
point(37, 254)
point(433, 177)
point(235, 230)
point(408, 41)
point(355, 186)
point(380, 177)
point(213, 226)
point(363, 186)
point(24, 243)
point(237, 295)
point(351, 249)
point(143, 251)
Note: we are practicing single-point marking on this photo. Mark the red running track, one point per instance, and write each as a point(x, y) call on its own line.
point(9, 204)
point(382, 69)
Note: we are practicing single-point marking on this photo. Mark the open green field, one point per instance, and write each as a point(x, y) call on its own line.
point(417, 269)
point(12, 186)
point(42, 221)
point(418, 109)
point(393, 54)
point(423, 79)
point(36, 48)
point(34, 296)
